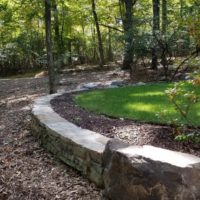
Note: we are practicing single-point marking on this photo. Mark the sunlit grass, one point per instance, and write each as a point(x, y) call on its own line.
point(141, 103)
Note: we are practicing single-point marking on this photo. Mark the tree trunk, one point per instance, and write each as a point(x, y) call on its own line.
point(51, 70)
point(164, 17)
point(62, 27)
point(56, 28)
point(101, 53)
point(128, 33)
point(94, 56)
point(69, 48)
point(110, 53)
point(181, 9)
point(156, 28)
point(164, 31)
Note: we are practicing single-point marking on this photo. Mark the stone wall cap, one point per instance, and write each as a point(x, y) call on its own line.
point(88, 139)
point(178, 159)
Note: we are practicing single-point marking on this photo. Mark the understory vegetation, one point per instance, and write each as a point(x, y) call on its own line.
point(140, 33)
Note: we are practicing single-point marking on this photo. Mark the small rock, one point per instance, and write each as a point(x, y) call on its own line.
point(90, 85)
point(163, 78)
point(2, 127)
point(113, 86)
point(140, 83)
point(188, 77)
point(117, 83)
point(61, 90)
point(62, 82)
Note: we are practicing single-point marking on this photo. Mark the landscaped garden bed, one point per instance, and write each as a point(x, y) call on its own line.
point(141, 103)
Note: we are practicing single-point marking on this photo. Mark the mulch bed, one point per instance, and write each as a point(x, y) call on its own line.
point(127, 130)
point(27, 171)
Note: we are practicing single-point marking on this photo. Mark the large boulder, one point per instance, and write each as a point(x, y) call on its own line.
point(149, 173)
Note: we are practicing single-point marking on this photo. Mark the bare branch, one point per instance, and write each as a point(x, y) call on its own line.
point(112, 27)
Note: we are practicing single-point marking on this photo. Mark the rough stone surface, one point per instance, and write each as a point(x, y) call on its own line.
point(105, 84)
point(140, 83)
point(80, 148)
point(149, 173)
point(117, 83)
point(90, 85)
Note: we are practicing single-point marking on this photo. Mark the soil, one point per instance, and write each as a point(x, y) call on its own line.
point(127, 130)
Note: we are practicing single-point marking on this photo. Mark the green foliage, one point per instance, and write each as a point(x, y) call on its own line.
point(22, 24)
point(194, 137)
point(184, 98)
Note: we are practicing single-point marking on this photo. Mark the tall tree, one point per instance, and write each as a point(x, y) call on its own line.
point(181, 8)
point(164, 17)
point(156, 28)
point(110, 53)
point(100, 44)
point(56, 27)
point(164, 49)
point(51, 69)
point(126, 9)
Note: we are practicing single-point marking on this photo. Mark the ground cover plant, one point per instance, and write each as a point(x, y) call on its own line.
point(141, 103)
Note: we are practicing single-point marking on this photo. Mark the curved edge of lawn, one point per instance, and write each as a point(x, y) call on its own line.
point(144, 104)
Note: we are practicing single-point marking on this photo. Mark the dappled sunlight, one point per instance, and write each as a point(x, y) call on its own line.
point(198, 113)
point(147, 93)
point(180, 160)
point(142, 107)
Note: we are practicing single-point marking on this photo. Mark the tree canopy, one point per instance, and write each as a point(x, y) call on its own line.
point(130, 29)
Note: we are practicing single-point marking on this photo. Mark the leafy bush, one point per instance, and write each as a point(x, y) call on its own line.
point(183, 99)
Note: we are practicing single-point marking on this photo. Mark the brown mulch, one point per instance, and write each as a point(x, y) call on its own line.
point(27, 171)
point(123, 129)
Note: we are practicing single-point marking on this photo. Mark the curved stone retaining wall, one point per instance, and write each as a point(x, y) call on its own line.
point(126, 172)
point(80, 148)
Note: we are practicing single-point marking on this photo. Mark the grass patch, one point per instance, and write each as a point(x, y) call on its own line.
point(141, 103)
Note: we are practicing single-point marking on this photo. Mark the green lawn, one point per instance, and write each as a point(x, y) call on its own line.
point(141, 103)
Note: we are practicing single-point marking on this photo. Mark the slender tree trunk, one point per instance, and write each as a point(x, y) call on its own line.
point(128, 33)
point(83, 57)
point(56, 27)
point(164, 31)
point(156, 28)
point(110, 53)
point(164, 17)
point(51, 69)
point(62, 28)
point(94, 58)
point(69, 48)
point(101, 52)
point(181, 9)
